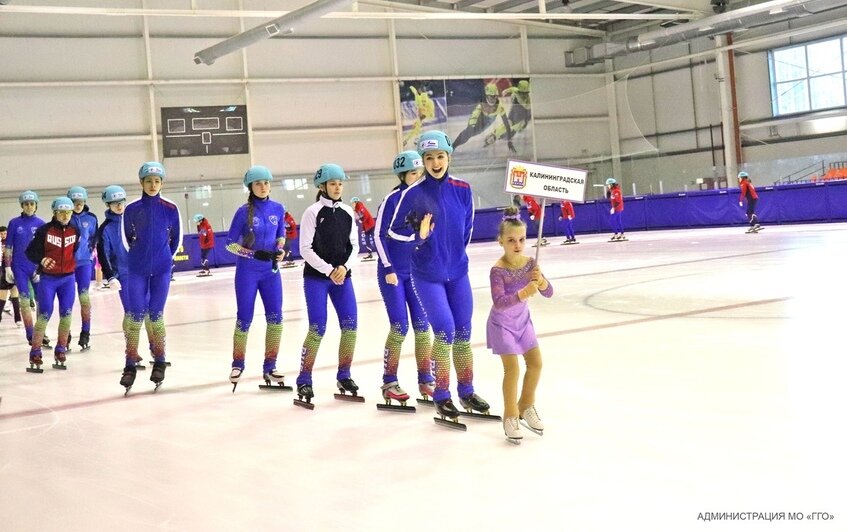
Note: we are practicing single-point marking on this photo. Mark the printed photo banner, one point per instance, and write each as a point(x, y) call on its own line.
point(543, 181)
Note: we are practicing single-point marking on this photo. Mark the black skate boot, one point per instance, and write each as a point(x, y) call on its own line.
point(128, 378)
point(277, 378)
point(474, 402)
point(83, 341)
point(35, 364)
point(392, 391)
point(304, 391)
point(157, 375)
point(347, 385)
point(446, 410)
point(45, 342)
point(59, 358)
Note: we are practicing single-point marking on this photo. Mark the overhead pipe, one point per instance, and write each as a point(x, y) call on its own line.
point(739, 19)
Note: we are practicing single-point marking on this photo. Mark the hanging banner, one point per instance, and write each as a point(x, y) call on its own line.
point(543, 181)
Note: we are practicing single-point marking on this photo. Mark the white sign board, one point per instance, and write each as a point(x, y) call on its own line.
point(543, 181)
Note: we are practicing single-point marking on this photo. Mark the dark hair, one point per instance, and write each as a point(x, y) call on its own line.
point(250, 237)
point(511, 220)
point(3, 228)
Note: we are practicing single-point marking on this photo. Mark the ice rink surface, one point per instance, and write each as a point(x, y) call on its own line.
point(685, 372)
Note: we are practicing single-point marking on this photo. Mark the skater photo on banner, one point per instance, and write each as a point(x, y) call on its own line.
point(423, 105)
point(489, 118)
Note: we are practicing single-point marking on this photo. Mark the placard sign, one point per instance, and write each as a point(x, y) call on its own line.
point(543, 181)
point(210, 130)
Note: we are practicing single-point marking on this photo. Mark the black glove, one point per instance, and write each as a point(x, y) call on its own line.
point(261, 254)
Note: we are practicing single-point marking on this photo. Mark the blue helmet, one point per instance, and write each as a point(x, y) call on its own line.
point(62, 204)
point(743, 175)
point(407, 161)
point(433, 141)
point(113, 193)
point(28, 196)
point(355, 199)
point(198, 218)
point(611, 181)
point(328, 172)
point(77, 193)
point(151, 168)
point(257, 173)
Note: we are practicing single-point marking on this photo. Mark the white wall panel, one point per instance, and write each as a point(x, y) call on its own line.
point(73, 111)
point(674, 100)
point(707, 104)
point(174, 59)
point(584, 139)
point(753, 87)
point(292, 57)
point(569, 97)
point(636, 116)
point(69, 25)
point(437, 29)
point(445, 57)
point(195, 26)
point(321, 104)
point(678, 142)
point(57, 59)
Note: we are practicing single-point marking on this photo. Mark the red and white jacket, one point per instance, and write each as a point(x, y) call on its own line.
point(532, 207)
point(616, 198)
point(567, 211)
point(364, 216)
point(290, 226)
point(748, 191)
point(58, 242)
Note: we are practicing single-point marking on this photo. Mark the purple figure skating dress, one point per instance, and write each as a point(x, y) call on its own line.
point(510, 330)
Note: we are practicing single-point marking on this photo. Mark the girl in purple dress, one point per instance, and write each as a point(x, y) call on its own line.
point(514, 279)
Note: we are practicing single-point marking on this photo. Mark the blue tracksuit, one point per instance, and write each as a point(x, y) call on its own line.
point(395, 243)
point(86, 223)
point(20, 233)
point(440, 273)
point(151, 230)
point(113, 257)
point(267, 231)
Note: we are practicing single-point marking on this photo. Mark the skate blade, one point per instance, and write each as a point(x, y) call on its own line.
point(140, 367)
point(526, 426)
point(156, 389)
point(484, 417)
point(276, 387)
point(396, 408)
point(426, 402)
point(59, 366)
point(304, 404)
point(168, 364)
point(34, 370)
point(126, 392)
point(84, 349)
point(234, 386)
point(514, 441)
point(455, 425)
point(349, 398)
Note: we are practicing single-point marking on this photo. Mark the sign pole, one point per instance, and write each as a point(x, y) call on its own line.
point(540, 230)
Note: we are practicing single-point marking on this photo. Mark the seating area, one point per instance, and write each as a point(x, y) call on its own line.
point(836, 172)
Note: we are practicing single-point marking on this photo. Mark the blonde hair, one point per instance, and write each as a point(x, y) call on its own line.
point(511, 220)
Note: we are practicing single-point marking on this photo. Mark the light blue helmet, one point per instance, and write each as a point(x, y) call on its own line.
point(62, 204)
point(433, 141)
point(113, 193)
point(198, 218)
point(407, 161)
point(328, 172)
point(77, 193)
point(355, 199)
point(257, 173)
point(151, 168)
point(28, 195)
point(611, 181)
point(743, 175)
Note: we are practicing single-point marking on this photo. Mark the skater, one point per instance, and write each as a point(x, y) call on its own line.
point(568, 215)
point(151, 230)
point(364, 217)
point(395, 243)
point(509, 332)
point(19, 269)
point(290, 236)
point(53, 248)
point(8, 290)
point(520, 112)
point(748, 192)
point(328, 247)
point(207, 242)
point(484, 115)
point(613, 193)
point(86, 224)
point(534, 211)
point(257, 236)
point(440, 209)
